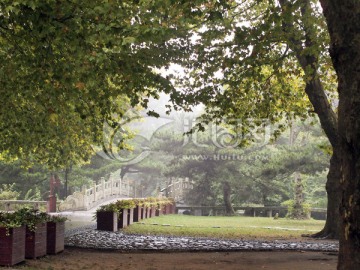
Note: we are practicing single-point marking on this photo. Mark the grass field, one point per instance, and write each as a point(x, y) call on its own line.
point(226, 227)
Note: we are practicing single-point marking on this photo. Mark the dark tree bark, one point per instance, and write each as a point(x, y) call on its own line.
point(229, 210)
point(328, 120)
point(344, 28)
point(332, 225)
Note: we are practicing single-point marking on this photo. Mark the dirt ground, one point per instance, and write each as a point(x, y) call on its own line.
point(76, 258)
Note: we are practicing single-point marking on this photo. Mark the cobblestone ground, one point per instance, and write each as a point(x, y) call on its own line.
point(88, 237)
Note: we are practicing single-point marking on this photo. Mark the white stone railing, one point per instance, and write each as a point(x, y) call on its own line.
point(91, 197)
point(178, 188)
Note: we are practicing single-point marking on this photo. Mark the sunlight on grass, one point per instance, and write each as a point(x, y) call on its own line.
point(226, 227)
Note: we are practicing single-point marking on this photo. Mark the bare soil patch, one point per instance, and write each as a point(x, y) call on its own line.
point(76, 258)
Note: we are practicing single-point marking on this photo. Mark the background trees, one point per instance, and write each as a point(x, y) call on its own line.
point(258, 173)
point(31, 183)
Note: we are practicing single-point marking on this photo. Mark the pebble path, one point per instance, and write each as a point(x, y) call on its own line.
point(89, 237)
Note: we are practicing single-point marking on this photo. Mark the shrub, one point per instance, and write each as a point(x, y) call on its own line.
point(301, 213)
point(10, 220)
point(31, 217)
point(125, 204)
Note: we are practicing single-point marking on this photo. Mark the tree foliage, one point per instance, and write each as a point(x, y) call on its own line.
point(69, 66)
point(28, 183)
point(8, 192)
point(247, 62)
point(259, 173)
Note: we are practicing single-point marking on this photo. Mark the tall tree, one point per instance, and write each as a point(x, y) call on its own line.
point(308, 52)
point(344, 28)
point(221, 174)
point(247, 62)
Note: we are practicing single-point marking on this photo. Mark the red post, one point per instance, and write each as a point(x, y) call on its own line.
point(51, 205)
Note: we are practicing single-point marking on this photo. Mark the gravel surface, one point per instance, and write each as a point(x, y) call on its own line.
point(89, 237)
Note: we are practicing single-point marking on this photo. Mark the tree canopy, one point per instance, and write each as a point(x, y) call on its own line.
point(69, 66)
point(253, 61)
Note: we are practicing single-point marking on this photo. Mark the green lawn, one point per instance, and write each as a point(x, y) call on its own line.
point(226, 227)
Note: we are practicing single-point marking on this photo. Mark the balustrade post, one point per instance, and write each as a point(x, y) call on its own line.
point(86, 199)
point(103, 187)
point(95, 192)
point(120, 186)
point(128, 191)
point(117, 190)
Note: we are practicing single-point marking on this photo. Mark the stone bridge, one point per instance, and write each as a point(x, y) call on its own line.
point(88, 198)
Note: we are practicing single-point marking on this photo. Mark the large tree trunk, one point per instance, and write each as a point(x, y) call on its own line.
point(229, 210)
point(349, 131)
point(344, 29)
point(332, 225)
